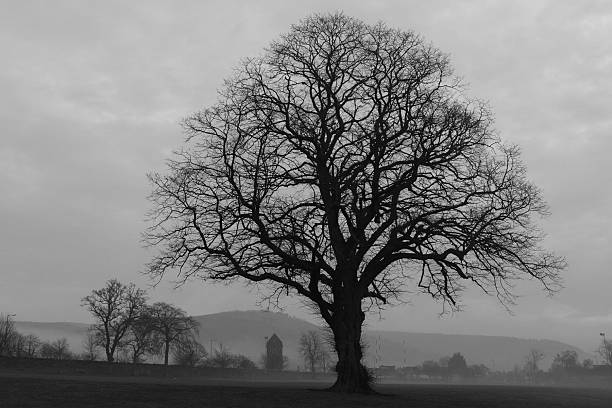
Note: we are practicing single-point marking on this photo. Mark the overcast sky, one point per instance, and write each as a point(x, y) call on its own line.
point(91, 94)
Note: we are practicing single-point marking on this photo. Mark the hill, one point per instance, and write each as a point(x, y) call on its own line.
point(245, 332)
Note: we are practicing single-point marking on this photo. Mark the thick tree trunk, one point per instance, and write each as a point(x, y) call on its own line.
point(353, 377)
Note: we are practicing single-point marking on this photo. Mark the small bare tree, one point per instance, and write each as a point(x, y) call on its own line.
point(171, 325)
point(605, 351)
point(532, 361)
point(115, 307)
point(313, 350)
point(56, 350)
point(7, 333)
point(90, 346)
point(189, 352)
point(31, 346)
point(221, 357)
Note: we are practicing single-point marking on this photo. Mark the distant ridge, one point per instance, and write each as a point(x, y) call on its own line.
point(245, 332)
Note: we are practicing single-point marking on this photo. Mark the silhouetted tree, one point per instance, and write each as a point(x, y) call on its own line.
point(532, 361)
point(31, 345)
point(115, 307)
point(313, 350)
point(171, 325)
point(56, 350)
point(17, 346)
point(221, 357)
point(342, 165)
point(7, 333)
point(566, 360)
point(605, 351)
point(189, 352)
point(90, 346)
point(141, 337)
point(457, 364)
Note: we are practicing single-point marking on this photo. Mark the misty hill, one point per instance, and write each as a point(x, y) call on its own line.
point(73, 332)
point(245, 332)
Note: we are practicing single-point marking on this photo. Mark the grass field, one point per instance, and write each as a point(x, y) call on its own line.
point(52, 391)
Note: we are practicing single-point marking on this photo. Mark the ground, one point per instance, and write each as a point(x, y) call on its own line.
point(23, 391)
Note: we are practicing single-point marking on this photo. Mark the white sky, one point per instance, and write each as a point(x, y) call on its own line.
point(91, 94)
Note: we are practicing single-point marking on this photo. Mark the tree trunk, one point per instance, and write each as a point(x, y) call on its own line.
point(109, 356)
point(166, 352)
point(353, 377)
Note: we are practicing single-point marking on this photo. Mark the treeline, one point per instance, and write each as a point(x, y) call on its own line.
point(15, 344)
point(455, 365)
point(565, 365)
point(126, 329)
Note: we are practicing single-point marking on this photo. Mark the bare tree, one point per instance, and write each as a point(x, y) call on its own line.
point(7, 334)
point(56, 350)
point(221, 358)
point(90, 346)
point(532, 361)
point(313, 350)
point(114, 307)
point(17, 346)
point(31, 345)
point(345, 165)
point(605, 351)
point(140, 339)
point(189, 352)
point(171, 324)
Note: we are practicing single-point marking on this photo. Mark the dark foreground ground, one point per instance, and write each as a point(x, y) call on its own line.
point(52, 391)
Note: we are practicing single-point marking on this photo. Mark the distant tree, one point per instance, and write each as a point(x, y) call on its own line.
point(7, 334)
point(431, 368)
point(114, 307)
point(532, 361)
point(221, 357)
point(443, 361)
point(566, 360)
point(344, 165)
point(478, 370)
point(457, 364)
point(90, 346)
point(141, 337)
point(17, 345)
point(587, 363)
point(171, 325)
point(56, 350)
point(31, 345)
point(242, 361)
point(189, 352)
point(605, 351)
point(313, 350)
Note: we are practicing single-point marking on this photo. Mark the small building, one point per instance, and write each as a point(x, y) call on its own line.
point(274, 353)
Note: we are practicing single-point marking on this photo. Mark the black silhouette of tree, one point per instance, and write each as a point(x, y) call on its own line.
point(313, 350)
point(115, 307)
point(346, 165)
point(170, 326)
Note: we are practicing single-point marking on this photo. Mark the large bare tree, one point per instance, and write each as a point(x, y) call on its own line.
point(345, 165)
point(115, 307)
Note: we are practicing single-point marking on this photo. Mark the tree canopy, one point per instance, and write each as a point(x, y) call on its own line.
point(347, 165)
